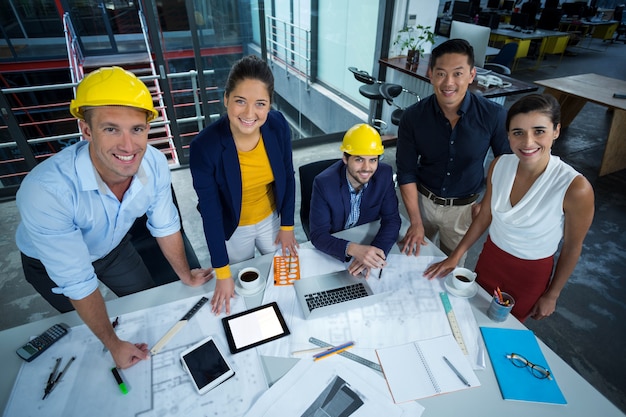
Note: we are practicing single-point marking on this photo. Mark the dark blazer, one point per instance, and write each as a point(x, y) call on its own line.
point(330, 206)
point(216, 176)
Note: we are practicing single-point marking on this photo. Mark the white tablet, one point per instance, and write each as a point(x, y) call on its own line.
point(206, 365)
point(254, 327)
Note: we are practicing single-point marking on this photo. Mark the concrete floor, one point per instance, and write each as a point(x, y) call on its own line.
point(588, 329)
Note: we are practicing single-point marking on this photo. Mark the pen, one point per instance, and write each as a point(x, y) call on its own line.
point(463, 380)
point(114, 324)
point(333, 350)
point(119, 380)
point(380, 274)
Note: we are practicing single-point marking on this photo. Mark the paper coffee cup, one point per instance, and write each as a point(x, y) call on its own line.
point(249, 278)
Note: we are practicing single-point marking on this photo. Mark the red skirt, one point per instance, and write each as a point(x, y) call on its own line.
point(526, 280)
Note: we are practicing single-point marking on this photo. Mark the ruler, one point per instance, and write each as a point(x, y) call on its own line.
point(349, 355)
point(179, 325)
point(454, 325)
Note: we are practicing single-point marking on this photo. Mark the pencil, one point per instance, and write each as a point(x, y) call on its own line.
point(327, 354)
point(333, 350)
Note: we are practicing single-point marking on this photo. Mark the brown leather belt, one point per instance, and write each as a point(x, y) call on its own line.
point(446, 201)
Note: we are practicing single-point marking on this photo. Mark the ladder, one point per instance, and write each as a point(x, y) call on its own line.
point(142, 65)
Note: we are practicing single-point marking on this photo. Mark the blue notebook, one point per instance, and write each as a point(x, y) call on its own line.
point(519, 383)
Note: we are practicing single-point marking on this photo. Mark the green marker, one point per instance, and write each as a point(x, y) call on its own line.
point(119, 380)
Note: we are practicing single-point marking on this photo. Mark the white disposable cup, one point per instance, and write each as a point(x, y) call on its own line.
point(463, 278)
point(249, 278)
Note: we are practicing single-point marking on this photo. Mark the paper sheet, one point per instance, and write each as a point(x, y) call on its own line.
point(413, 311)
point(332, 382)
point(157, 387)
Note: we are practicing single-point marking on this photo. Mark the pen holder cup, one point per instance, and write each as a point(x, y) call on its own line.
point(498, 311)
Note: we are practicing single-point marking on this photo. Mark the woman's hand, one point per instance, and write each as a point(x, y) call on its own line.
point(224, 291)
point(287, 240)
point(440, 269)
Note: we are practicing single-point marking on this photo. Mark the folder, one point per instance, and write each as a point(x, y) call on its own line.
point(519, 383)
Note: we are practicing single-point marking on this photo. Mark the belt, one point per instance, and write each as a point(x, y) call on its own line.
point(446, 201)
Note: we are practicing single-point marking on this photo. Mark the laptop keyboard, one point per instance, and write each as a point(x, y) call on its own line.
point(334, 296)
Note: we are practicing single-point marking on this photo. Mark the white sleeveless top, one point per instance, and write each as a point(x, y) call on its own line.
point(533, 228)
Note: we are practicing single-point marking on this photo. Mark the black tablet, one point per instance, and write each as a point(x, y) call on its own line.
point(254, 327)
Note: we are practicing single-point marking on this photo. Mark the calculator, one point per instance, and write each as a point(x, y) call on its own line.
point(39, 344)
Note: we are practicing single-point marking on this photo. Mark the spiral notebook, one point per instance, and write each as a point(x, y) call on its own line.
point(418, 370)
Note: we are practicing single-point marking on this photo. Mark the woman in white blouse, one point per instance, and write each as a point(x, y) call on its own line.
point(533, 202)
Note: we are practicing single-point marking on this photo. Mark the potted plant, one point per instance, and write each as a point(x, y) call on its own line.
point(413, 39)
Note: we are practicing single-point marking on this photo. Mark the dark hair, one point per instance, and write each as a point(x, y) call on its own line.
point(250, 67)
point(453, 46)
point(542, 103)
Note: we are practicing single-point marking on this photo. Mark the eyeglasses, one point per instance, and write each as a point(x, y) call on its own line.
point(538, 371)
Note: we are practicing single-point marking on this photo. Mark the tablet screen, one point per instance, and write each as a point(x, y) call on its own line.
point(206, 364)
point(254, 327)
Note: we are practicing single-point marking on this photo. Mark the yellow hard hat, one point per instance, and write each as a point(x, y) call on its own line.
point(112, 86)
point(362, 139)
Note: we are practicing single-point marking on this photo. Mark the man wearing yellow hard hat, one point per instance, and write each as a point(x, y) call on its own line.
point(356, 190)
point(78, 206)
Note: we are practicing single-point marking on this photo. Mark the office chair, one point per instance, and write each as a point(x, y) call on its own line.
point(308, 172)
point(390, 91)
point(148, 248)
point(503, 62)
point(370, 90)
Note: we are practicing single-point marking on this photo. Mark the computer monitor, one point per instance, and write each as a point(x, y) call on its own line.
point(507, 5)
point(519, 20)
point(461, 7)
point(574, 9)
point(551, 4)
point(493, 4)
point(477, 36)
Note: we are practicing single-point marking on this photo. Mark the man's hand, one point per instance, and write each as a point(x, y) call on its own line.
point(368, 256)
point(224, 291)
point(126, 354)
point(198, 277)
point(413, 240)
point(287, 241)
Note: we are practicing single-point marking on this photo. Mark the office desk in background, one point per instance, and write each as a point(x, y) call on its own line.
point(575, 91)
point(582, 398)
point(420, 74)
point(535, 34)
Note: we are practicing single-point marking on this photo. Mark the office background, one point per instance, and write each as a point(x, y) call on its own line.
point(321, 98)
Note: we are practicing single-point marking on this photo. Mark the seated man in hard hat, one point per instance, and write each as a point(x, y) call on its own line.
point(77, 207)
point(356, 190)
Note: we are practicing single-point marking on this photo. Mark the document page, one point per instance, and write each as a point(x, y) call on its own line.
point(418, 369)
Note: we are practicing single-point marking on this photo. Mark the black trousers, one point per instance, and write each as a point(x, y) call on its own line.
point(122, 270)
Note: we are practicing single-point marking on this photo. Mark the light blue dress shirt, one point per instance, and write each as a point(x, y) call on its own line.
point(70, 217)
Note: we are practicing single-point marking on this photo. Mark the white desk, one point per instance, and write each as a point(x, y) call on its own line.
point(582, 398)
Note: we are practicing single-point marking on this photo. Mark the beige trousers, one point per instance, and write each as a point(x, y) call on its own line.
point(448, 223)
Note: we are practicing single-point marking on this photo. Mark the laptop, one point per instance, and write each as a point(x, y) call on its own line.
point(334, 293)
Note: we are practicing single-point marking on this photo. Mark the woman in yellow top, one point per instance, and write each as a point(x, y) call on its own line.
point(243, 174)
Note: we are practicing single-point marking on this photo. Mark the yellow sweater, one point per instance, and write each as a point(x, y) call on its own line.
point(257, 195)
